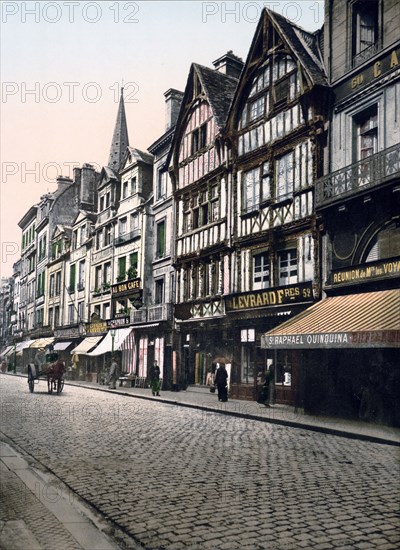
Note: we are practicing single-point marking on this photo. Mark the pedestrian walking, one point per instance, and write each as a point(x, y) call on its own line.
point(154, 375)
point(266, 390)
point(221, 381)
point(113, 374)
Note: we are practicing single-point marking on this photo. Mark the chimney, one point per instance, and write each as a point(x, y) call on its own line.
point(88, 185)
point(63, 182)
point(229, 64)
point(173, 100)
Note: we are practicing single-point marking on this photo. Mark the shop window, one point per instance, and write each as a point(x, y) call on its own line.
point(247, 364)
point(283, 370)
point(260, 271)
point(365, 30)
point(288, 267)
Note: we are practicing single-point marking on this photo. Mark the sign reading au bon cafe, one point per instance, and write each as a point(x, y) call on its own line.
point(282, 295)
point(125, 286)
point(366, 339)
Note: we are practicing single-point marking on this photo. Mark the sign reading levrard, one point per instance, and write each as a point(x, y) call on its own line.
point(278, 296)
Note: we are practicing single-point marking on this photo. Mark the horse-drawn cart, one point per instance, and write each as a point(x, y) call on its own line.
point(52, 370)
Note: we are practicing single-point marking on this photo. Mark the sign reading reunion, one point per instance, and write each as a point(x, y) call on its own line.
point(382, 338)
point(270, 297)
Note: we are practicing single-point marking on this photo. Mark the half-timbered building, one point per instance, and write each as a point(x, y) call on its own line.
point(276, 134)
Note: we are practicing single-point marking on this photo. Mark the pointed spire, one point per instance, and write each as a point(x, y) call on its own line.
point(120, 139)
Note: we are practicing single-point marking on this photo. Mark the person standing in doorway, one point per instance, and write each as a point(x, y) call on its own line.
point(155, 378)
point(268, 381)
point(113, 374)
point(221, 381)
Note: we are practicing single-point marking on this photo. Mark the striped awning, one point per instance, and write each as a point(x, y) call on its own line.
point(22, 345)
point(86, 345)
point(365, 320)
point(6, 351)
point(112, 342)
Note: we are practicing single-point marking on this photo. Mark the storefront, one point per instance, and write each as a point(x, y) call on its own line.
point(347, 355)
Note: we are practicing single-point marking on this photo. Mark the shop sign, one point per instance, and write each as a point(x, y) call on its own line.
point(373, 72)
point(118, 322)
point(96, 328)
point(71, 332)
point(368, 272)
point(366, 339)
point(278, 296)
point(126, 286)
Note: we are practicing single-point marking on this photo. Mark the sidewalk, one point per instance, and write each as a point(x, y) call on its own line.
point(202, 399)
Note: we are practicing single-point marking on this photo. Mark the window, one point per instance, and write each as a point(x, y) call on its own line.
point(101, 207)
point(122, 267)
point(58, 283)
point(133, 185)
point(133, 260)
point(98, 278)
point(161, 184)
point(285, 176)
point(123, 226)
point(81, 311)
point(99, 239)
point(81, 275)
point(108, 199)
point(72, 271)
point(124, 189)
point(52, 285)
point(260, 271)
point(160, 251)
point(366, 124)
point(107, 235)
point(57, 316)
point(159, 291)
point(75, 239)
point(51, 317)
point(134, 221)
point(106, 310)
point(365, 34)
point(256, 187)
point(385, 244)
point(83, 235)
point(257, 108)
point(287, 267)
point(107, 272)
point(71, 314)
point(281, 91)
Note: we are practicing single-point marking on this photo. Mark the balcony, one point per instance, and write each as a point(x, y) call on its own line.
point(161, 312)
point(358, 177)
point(126, 237)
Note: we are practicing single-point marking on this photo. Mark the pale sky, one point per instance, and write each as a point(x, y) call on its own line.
point(62, 64)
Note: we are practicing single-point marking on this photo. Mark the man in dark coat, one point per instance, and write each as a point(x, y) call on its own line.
point(221, 381)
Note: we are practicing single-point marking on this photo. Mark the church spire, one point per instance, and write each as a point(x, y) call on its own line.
point(120, 137)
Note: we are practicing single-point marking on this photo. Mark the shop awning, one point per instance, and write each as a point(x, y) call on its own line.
point(41, 342)
point(108, 344)
point(86, 345)
point(59, 346)
point(365, 320)
point(23, 345)
point(6, 351)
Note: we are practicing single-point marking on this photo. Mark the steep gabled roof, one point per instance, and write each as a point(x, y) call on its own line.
point(303, 45)
point(219, 89)
point(139, 156)
point(120, 140)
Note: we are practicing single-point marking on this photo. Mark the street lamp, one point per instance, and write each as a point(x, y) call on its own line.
point(113, 332)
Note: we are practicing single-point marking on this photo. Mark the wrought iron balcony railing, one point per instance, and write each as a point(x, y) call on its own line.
point(358, 177)
point(161, 312)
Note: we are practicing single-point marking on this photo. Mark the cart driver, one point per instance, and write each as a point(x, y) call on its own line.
point(40, 358)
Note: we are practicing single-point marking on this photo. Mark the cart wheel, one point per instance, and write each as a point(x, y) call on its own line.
point(50, 385)
point(31, 381)
point(60, 385)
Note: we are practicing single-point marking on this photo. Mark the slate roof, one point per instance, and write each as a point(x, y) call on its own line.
point(219, 89)
point(140, 156)
point(305, 46)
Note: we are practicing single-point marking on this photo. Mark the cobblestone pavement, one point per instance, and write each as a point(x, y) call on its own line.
point(175, 477)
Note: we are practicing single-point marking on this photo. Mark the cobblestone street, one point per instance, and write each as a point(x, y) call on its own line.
point(173, 477)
